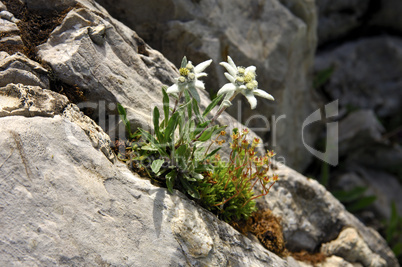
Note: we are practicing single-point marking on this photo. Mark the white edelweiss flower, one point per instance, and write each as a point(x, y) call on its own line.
point(189, 78)
point(242, 80)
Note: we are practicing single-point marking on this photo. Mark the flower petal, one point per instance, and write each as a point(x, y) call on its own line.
point(250, 98)
point(262, 93)
point(174, 89)
point(229, 68)
point(227, 88)
point(202, 66)
point(199, 84)
point(230, 77)
point(231, 62)
point(226, 102)
point(201, 74)
point(251, 69)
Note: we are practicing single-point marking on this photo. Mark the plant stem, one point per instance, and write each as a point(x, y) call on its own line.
point(222, 109)
point(177, 102)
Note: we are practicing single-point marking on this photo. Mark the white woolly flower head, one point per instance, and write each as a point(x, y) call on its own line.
point(242, 80)
point(188, 79)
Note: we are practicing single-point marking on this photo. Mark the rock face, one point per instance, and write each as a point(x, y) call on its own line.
point(351, 247)
point(348, 19)
point(278, 37)
point(366, 80)
point(311, 216)
point(366, 74)
point(65, 201)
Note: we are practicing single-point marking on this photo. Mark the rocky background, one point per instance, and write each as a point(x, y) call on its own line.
point(308, 54)
point(65, 64)
point(360, 49)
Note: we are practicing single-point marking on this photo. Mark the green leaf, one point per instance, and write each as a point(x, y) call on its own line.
point(197, 111)
point(123, 115)
point(362, 203)
point(190, 189)
point(165, 106)
point(199, 128)
point(199, 153)
point(170, 179)
point(156, 165)
point(182, 154)
point(152, 140)
point(183, 62)
point(203, 168)
point(212, 105)
point(350, 195)
point(149, 147)
point(322, 77)
point(156, 125)
point(171, 127)
point(212, 153)
point(181, 107)
point(397, 249)
point(208, 133)
point(194, 93)
point(392, 223)
point(189, 107)
point(182, 124)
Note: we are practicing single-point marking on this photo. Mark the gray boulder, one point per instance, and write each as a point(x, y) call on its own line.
point(10, 41)
point(64, 203)
point(351, 19)
point(338, 19)
point(311, 216)
point(359, 129)
point(366, 74)
point(351, 247)
point(17, 68)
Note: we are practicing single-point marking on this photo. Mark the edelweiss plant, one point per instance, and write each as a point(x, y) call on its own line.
point(178, 154)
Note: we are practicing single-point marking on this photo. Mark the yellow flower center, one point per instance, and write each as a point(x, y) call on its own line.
point(249, 77)
point(241, 71)
point(184, 71)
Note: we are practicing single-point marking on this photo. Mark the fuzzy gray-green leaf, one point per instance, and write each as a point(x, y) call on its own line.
point(212, 105)
point(156, 165)
point(170, 178)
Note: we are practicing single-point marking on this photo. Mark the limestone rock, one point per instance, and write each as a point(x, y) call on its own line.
point(17, 68)
point(337, 19)
point(312, 216)
point(366, 74)
point(278, 37)
point(10, 40)
point(379, 183)
point(388, 15)
point(359, 129)
point(64, 203)
point(110, 69)
point(30, 101)
point(352, 18)
point(99, 139)
point(350, 246)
